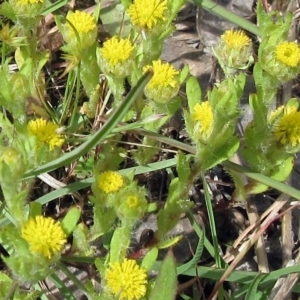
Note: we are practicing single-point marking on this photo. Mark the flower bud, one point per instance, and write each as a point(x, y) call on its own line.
point(234, 50)
point(84, 24)
point(27, 8)
point(281, 61)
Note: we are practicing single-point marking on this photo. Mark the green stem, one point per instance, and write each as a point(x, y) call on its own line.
point(212, 225)
point(68, 96)
point(282, 187)
point(99, 136)
point(11, 291)
point(74, 113)
point(222, 12)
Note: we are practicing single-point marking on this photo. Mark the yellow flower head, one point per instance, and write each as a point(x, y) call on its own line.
point(287, 130)
point(46, 133)
point(127, 280)
point(234, 51)
point(82, 21)
point(82, 33)
point(288, 53)
point(164, 74)
point(164, 84)
point(147, 13)
point(116, 50)
point(235, 39)
point(44, 236)
point(110, 181)
point(204, 115)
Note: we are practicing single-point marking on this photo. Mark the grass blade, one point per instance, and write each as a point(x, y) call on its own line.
point(99, 136)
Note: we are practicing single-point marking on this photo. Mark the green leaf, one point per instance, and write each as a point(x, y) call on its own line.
point(252, 291)
point(35, 209)
point(194, 261)
point(81, 245)
point(184, 74)
point(165, 286)
point(100, 266)
point(193, 92)
point(119, 244)
point(6, 10)
point(264, 179)
point(183, 170)
point(54, 6)
point(150, 259)
point(4, 278)
point(70, 220)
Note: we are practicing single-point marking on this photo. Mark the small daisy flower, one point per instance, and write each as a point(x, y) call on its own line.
point(164, 85)
point(288, 53)
point(204, 115)
point(110, 182)
point(85, 25)
point(234, 50)
point(147, 13)
point(126, 280)
point(44, 236)
point(46, 133)
point(287, 129)
point(281, 61)
point(235, 39)
point(82, 21)
point(116, 56)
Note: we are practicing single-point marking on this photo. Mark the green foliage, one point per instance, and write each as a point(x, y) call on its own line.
point(166, 282)
point(193, 92)
point(119, 244)
point(150, 258)
point(113, 119)
point(70, 220)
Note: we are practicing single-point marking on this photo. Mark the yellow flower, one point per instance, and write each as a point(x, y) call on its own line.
point(44, 236)
point(46, 133)
point(132, 201)
point(287, 130)
point(146, 13)
point(116, 50)
point(82, 21)
point(164, 84)
point(288, 53)
point(126, 280)
point(110, 181)
point(164, 74)
point(235, 39)
point(204, 115)
point(83, 32)
point(234, 51)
